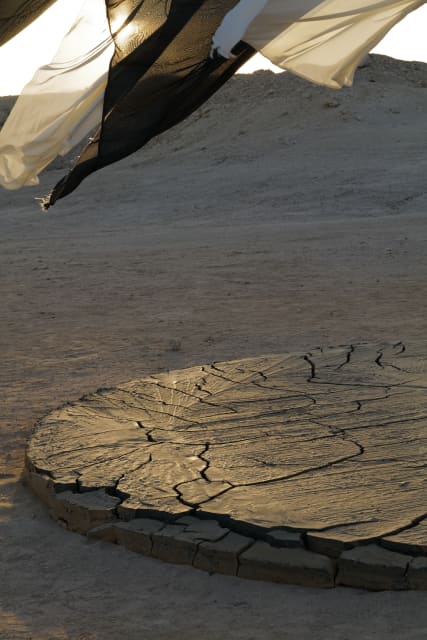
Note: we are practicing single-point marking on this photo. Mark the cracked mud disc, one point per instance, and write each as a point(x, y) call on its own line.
point(306, 468)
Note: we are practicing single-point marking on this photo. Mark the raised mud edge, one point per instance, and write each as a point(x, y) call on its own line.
point(207, 545)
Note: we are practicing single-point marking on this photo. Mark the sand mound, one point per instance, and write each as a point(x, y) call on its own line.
point(249, 110)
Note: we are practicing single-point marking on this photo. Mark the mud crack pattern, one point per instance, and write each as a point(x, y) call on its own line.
point(321, 454)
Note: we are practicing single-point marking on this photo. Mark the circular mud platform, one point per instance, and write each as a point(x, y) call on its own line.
point(298, 468)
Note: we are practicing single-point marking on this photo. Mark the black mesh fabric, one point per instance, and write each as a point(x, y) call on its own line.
point(15, 15)
point(160, 73)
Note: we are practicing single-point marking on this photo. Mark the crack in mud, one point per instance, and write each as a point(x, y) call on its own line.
point(339, 431)
point(379, 360)
point(312, 365)
point(286, 477)
point(402, 347)
point(206, 461)
point(383, 424)
point(147, 432)
point(347, 359)
point(203, 476)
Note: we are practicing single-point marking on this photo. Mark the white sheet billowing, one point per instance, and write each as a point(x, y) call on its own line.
point(234, 26)
point(320, 41)
point(62, 103)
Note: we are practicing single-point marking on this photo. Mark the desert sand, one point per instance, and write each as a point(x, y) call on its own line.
point(280, 217)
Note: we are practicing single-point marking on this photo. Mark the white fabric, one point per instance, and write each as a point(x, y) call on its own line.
point(322, 41)
point(234, 25)
point(62, 103)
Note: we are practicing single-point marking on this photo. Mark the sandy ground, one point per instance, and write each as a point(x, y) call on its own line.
point(280, 217)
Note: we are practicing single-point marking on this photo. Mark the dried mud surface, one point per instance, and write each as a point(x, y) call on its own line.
point(168, 464)
point(280, 218)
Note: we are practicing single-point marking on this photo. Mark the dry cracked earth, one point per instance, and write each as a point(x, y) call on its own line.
point(196, 456)
point(279, 217)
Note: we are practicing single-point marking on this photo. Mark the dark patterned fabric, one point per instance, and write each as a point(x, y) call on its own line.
point(15, 15)
point(161, 72)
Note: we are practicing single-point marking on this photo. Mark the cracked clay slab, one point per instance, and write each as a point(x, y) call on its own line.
point(299, 467)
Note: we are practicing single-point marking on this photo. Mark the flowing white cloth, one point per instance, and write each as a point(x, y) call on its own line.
point(322, 41)
point(62, 103)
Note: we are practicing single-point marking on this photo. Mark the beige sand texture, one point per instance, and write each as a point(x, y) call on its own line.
point(280, 217)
